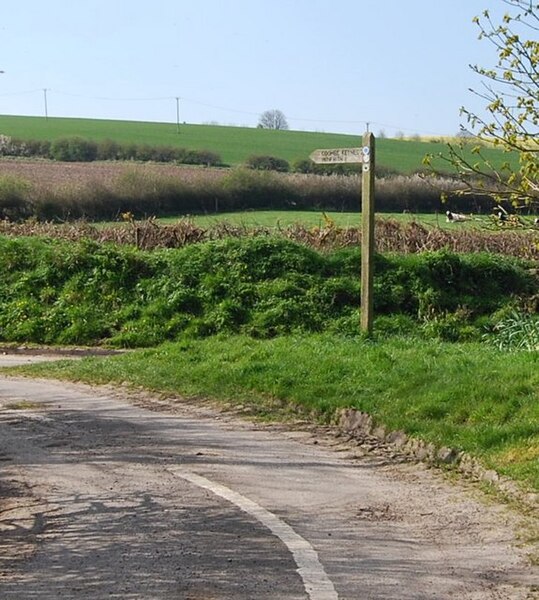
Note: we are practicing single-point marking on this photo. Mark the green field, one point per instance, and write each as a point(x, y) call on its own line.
point(234, 144)
point(271, 218)
point(285, 218)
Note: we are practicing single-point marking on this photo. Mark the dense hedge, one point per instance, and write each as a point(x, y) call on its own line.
point(145, 194)
point(84, 293)
point(71, 149)
point(267, 163)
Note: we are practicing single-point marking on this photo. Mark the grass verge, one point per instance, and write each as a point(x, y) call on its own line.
point(467, 396)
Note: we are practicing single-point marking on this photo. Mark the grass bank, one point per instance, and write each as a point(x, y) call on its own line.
point(59, 292)
point(467, 396)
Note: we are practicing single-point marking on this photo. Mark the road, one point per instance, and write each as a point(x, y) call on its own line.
point(107, 495)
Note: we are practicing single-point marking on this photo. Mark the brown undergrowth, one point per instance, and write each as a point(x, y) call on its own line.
point(391, 235)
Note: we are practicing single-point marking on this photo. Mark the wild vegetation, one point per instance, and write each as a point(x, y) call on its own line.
point(105, 190)
point(453, 358)
point(391, 235)
point(59, 292)
point(78, 149)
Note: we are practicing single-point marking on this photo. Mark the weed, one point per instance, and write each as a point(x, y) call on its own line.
point(86, 292)
point(517, 331)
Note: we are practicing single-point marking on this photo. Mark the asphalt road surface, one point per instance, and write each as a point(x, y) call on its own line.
point(102, 496)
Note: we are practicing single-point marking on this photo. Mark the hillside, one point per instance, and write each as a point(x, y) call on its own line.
point(234, 144)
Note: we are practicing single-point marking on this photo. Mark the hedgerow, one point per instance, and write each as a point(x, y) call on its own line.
point(75, 148)
point(145, 194)
point(86, 293)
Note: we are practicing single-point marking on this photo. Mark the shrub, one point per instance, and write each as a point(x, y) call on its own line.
point(200, 157)
point(256, 189)
point(40, 148)
point(14, 198)
point(109, 150)
point(74, 149)
point(307, 166)
point(12, 147)
point(267, 163)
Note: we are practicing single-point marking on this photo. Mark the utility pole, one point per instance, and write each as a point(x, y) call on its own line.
point(45, 100)
point(177, 114)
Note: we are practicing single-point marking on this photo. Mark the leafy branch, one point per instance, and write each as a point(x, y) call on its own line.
point(510, 122)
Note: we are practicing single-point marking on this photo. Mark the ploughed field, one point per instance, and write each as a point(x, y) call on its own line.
point(52, 174)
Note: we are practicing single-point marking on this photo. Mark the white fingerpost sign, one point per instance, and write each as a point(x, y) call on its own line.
point(337, 156)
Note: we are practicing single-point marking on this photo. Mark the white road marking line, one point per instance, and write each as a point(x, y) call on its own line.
point(317, 584)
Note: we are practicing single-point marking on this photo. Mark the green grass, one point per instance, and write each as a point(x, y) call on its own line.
point(60, 292)
point(234, 144)
point(284, 218)
point(272, 218)
point(467, 396)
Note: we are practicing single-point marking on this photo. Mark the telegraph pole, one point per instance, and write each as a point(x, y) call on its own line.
point(177, 114)
point(45, 101)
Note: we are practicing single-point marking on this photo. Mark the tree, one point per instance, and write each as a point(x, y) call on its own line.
point(273, 119)
point(511, 93)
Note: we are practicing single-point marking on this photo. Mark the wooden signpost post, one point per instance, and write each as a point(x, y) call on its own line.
point(364, 156)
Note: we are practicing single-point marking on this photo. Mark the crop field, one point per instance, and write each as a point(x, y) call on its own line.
point(233, 144)
point(51, 174)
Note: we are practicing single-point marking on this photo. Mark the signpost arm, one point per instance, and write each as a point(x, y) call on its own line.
point(367, 234)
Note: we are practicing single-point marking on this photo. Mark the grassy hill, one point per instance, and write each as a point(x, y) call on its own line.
point(234, 144)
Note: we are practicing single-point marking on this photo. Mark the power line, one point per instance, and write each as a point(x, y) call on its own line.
point(21, 93)
point(366, 123)
point(117, 99)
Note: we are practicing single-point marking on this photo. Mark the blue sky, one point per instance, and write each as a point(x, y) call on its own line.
point(402, 65)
